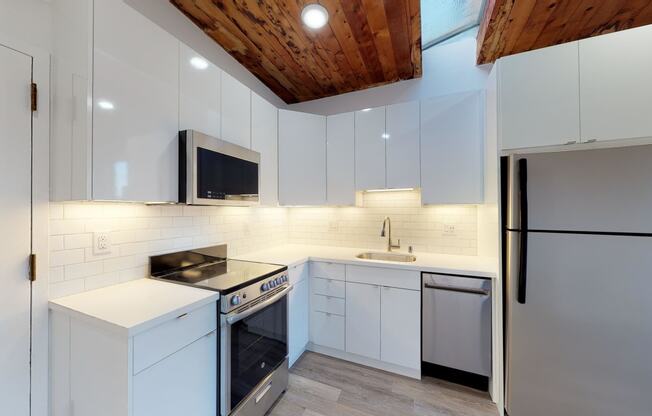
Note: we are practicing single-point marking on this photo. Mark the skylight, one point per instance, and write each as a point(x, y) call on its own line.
point(442, 19)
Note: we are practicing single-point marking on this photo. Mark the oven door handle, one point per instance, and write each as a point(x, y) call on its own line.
point(238, 316)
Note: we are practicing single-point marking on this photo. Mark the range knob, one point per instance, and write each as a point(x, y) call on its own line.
point(285, 278)
point(279, 280)
point(264, 287)
point(272, 283)
point(235, 300)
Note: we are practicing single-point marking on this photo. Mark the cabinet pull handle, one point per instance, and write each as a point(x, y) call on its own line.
point(591, 141)
point(571, 142)
point(264, 392)
point(183, 315)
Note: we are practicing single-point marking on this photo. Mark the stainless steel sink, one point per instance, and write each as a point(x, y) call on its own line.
point(403, 258)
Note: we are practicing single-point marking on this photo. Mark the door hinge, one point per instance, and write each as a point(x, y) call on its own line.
point(34, 96)
point(32, 267)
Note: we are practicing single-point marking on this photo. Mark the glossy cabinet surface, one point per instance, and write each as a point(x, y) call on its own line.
point(264, 140)
point(340, 160)
point(236, 111)
point(299, 312)
point(615, 87)
point(400, 327)
point(452, 149)
point(199, 93)
point(363, 320)
point(302, 158)
point(402, 132)
point(136, 111)
point(539, 97)
point(370, 144)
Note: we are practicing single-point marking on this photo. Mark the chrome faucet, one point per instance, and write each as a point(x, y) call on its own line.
point(390, 246)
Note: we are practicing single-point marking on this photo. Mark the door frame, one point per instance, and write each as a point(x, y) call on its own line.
point(39, 377)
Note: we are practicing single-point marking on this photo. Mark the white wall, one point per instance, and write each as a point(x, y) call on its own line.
point(447, 68)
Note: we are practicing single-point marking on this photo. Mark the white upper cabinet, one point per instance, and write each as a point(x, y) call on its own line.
point(615, 88)
point(340, 147)
point(302, 158)
point(264, 140)
point(199, 93)
point(452, 149)
point(402, 135)
point(370, 143)
point(136, 107)
point(236, 111)
point(539, 97)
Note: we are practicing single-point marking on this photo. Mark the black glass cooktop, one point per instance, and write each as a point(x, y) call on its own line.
point(197, 268)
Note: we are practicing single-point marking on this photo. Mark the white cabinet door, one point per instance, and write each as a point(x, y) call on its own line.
point(236, 111)
point(370, 144)
point(199, 93)
point(452, 149)
point(302, 158)
point(327, 330)
point(264, 140)
point(363, 320)
point(400, 328)
point(136, 107)
point(403, 145)
point(299, 304)
point(340, 169)
point(615, 87)
point(184, 383)
point(539, 97)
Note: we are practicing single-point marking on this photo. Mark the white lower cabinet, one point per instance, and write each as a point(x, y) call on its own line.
point(400, 327)
point(363, 320)
point(299, 312)
point(327, 330)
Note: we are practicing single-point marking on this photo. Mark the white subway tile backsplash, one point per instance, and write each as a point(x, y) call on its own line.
point(78, 241)
point(64, 257)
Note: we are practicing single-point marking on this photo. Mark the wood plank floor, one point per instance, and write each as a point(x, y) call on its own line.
point(325, 386)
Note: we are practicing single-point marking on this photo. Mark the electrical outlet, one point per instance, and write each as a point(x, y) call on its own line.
point(449, 230)
point(101, 243)
point(333, 226)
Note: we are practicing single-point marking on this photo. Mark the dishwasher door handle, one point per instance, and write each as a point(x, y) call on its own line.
point(482, 292)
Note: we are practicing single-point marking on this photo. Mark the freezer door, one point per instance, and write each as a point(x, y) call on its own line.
point(595, 190)
point(582, 343)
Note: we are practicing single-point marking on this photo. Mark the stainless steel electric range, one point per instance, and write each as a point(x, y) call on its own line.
point(253, 310)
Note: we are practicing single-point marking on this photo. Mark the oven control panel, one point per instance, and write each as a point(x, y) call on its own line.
point(255, 290)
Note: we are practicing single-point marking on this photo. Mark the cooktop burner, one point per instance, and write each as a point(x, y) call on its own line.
point(208, 268)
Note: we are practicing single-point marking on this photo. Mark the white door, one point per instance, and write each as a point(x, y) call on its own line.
point(299, 311)
point(539, 97)
point(340, 160)
point(615, 87)
point(400, 327)
point(363, 320)
point(15, 200)
point(264, 140)
point(370, 146)
point(402, 138)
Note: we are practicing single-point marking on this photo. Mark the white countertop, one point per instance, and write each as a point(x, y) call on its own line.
point(133, 307)
point(293, 254)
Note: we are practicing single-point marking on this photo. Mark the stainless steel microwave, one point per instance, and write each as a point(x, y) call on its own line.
point(216, 172)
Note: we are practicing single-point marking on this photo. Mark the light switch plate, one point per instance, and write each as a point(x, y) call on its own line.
point(449, 230)
point(101, 243)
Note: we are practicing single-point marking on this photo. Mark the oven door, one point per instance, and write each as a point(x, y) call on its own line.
point(255, 344)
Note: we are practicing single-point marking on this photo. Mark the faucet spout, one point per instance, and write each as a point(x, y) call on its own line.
point(387, 222)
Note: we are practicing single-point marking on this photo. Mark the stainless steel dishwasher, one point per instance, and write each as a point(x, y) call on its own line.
point(456, 333)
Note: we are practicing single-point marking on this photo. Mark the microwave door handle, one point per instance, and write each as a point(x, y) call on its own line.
point(524, 226)
point(238, 316)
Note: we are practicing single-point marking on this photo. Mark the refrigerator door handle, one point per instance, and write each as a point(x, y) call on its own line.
point(523, 205)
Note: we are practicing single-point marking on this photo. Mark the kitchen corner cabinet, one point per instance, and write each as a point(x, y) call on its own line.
point(340, 160)
point(539, 96)
point(452, 149)
point(370, 149)
point(402, 136)
point(615, 87)
point(199, 93)
point(264, 140)
point(299, 311)
point(236, 111)
point(302, 158)
point(363, 320)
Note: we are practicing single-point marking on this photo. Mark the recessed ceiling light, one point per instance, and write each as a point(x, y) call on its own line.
point(105, 105)
point(366, 109)
point(314, 16)
point(385, 136)
point(199, 63)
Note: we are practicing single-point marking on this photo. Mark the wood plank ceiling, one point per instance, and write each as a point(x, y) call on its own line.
point(366, 42)
point(513, 26)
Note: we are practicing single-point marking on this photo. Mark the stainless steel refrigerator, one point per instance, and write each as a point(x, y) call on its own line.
point(578, 282)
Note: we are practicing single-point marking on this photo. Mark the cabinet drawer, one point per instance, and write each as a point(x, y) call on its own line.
point(328, 287)
point(169, 337)
point(328, 270)
point(404, 279)
point(298, 273)
point(329, 304)
point(327, 330)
